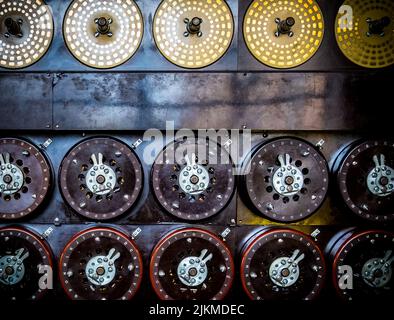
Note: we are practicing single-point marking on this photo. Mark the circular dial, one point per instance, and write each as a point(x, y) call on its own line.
point(365, 32)
point(103, 33)
point(193, 179)
point(101, 178)
point(191, 264)
point(26, 32)
point(100, 264)
point(288, 179)
point(283, 34)
point(370, 255)
point(366, 179)
point(25, 178)
point(280, 264)
point(22, 256)
point(193, 33)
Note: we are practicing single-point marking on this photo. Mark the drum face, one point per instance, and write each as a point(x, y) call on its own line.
point(191, 264)
point(193, 179)
point(282, 264)
point(22, 256)
point(288, 179)
point(101, 178)
point(25, 178)
point(103, 34)
point(369, 256)
point(364, 32)
point(366, 180)
point(26, 32)
point(283, 34)
point(100, 264)
point(193, 34)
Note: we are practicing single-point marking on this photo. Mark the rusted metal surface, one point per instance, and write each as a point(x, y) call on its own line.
point(267, 101)
point(25, 101)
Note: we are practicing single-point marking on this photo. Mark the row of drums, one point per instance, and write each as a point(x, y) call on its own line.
point(104, 263)
point(284, 179)
point(196, 33)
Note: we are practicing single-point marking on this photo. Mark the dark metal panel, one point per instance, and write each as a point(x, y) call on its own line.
point(25, 101)
point(147, 58)
point(265, 101)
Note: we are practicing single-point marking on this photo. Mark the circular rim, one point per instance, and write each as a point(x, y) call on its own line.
point(264, 233)
point(284, 67)
point(46, 166)
point(185, 215)
point(205, 66)
point(117, 65)
point(354, 236)
point(47, 48)
point(131, 156)
point(120, 234)
point(318, 157)
point(41, 242)
point(349, 57)
point(355, 149)
point(229, 277)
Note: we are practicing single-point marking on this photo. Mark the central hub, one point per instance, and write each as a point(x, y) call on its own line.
point(7, 178)
point(193, 179)
point(13, 266)
point(14, 28)
point(101, 270)
point(384, 181)
point(192, 271)
point(193, 26)
point(377, 272)
point(103, 27)
point(287, 180)
point(100, 179)
point(11, 177)
point(9, 270)
point(376, 27)
point(285, 271)
point(380, 179)
point(284, 26)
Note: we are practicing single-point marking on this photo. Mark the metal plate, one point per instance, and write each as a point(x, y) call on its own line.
point(288, 179)
point(20, 276)
point(267, 274)
point(25, 178)
point(193, 178)
point(26, 32)
point(268, 101)
point(283, 51)
point(351, 28)
point(370, 255)
point(356, 168)
point(124, 28)
point(169, 257)
point(194, 50)
point(100, 264)
point(101, 178)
